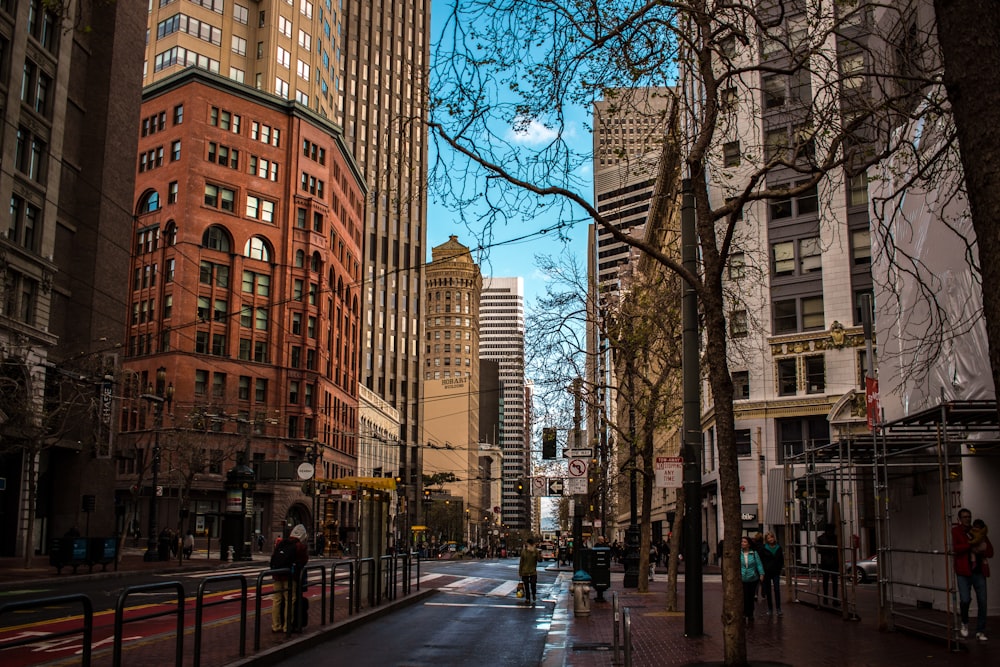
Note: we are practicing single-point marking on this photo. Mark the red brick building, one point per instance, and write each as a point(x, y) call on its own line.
point(245, 298)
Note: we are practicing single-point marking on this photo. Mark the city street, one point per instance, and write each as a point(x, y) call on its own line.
point(473, 620)
point(479, 594)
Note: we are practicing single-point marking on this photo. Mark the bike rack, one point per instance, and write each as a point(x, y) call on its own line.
point(200, 605)
point(87, 630)
point(145, 588)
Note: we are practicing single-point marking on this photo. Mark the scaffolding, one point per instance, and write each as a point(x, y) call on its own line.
point(891, 493)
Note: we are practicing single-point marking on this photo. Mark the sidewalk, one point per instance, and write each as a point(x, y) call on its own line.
point(804, 635)
point(12, 570)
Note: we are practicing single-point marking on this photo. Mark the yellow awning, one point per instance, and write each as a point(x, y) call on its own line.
point(377, 483)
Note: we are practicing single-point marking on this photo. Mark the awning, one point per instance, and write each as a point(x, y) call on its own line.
point(377, 483)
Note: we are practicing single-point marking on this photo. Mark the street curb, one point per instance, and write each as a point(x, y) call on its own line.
point(289, 649)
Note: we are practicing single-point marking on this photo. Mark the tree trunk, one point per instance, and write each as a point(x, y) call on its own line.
point(675, 548)
point(971, 73)
point(720, 381)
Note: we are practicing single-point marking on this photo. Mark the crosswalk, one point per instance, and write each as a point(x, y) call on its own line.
point(488, 587)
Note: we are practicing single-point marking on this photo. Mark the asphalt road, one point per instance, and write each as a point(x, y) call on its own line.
point(474, 619)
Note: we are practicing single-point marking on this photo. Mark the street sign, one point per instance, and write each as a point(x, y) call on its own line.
point(581, 453)
point(555, 486)
point(159, 491)
point(669, 472)
point(538, 488)
point(306, 470)
point(576, 486)
point(577, 468)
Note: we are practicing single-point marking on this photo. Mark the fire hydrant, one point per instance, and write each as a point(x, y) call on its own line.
point(581, 593)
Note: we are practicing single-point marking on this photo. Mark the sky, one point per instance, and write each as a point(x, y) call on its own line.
point(507, 256)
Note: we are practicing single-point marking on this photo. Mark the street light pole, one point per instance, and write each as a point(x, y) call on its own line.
point(312, 453)
point(157, 394)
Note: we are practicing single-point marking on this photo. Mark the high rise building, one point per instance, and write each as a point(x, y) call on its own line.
point(64, 254)
point(629, 127)
point(245, 305)
point(628, 132)
point(450, 397)
point(384, 52)
point(501, 339)
point(362, 64)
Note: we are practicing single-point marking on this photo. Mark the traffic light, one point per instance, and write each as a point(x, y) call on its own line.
point(522, 488)
point(427, 495)
point(548, 443)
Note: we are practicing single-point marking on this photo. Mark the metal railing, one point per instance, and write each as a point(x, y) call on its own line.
point(396, 570)
point(349, 564)
point(87, 630)
point(199, 611)
point(627, 624)
point(616, 631)
point(178, 611)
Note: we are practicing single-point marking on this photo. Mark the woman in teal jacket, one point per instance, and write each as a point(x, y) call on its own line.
point(751, 573)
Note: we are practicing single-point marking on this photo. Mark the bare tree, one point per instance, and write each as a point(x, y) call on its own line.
point(832, 84)
point(642, 334)
point(41, 407)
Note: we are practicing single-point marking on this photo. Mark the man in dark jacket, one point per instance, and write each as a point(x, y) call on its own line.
point(286, 589)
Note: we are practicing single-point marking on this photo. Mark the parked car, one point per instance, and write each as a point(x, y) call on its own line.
point(547, 551)
point(864, 571)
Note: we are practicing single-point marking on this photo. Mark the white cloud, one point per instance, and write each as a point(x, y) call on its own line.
point(532, 133)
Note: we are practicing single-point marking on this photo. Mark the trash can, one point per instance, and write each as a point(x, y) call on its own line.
point(600, 570)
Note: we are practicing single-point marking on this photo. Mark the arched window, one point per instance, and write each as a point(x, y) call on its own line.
point(217, 238)
point(300, 259)
point(170, 233)
point(257, 248)
point(149, 202)
point(315, 263)
point(340, 288)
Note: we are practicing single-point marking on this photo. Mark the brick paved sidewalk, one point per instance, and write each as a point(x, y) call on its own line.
point(804, 635)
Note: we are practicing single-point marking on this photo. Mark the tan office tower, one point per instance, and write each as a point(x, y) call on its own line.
point(451, 383)
point(362, 64)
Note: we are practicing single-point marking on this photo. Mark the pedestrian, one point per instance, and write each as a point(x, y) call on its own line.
point(653, 557)
point(972, 550)
point(292, 554)
point(527, 569)
point(704, 552)
point(260, 542)
point(188, 545)
point(320, 545)
point(751, 573)
point(826, 545)
point(773, 558)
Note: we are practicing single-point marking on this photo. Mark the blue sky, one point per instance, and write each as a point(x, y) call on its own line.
point(507, 256)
